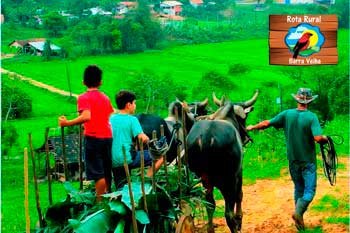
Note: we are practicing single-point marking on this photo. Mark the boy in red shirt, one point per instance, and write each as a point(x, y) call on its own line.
point(94, 109)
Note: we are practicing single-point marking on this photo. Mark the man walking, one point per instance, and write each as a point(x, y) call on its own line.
point(301, 128)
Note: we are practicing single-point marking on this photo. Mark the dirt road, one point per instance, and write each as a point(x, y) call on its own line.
point(268, 205)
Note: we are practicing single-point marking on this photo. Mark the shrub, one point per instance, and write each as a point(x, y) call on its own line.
point(235, 69)
point(9, 138)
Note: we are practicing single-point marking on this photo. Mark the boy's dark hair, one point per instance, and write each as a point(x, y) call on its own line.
point(124, 97)
point(92, 76)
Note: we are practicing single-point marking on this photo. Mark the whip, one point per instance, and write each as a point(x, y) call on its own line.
point(330, 160)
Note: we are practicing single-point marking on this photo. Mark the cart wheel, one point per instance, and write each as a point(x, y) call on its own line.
point(185, 225)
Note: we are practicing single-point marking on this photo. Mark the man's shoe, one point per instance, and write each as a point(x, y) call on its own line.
point(299, 222)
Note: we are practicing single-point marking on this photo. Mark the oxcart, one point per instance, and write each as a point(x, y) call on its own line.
point(170, 201)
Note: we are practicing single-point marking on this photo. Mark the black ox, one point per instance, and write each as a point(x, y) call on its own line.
point(150, 122)
point(215, 154)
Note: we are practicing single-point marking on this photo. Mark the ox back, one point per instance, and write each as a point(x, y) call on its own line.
point(151, 122)
point(215, 149)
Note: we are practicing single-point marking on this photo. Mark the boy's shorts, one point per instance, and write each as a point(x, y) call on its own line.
point(98, 158)
point(137, 159)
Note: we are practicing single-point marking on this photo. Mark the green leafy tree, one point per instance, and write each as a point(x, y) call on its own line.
point(47, 50)
point(55, 24)
point(213, 81)
point(154, 92)
point(15, 103)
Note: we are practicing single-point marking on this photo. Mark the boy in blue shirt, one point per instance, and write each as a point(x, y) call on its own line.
point(126, 128)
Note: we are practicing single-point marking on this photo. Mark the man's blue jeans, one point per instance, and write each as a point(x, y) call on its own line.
point(304, 177)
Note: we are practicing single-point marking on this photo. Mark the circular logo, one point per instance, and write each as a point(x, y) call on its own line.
point(304, 40)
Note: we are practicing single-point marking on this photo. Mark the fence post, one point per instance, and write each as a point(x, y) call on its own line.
point(134, 223)
point(81, 157)
point(48, 169)
point(26, 190)
point(37, 199)
point(165, 159)
point(178, 152)
point(64, 154)
point(142, 168)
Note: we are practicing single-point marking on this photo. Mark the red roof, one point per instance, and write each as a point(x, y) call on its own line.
point(198, 2)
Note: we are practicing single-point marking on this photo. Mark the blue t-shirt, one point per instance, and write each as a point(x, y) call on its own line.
point(125, 127)
point(300, 127)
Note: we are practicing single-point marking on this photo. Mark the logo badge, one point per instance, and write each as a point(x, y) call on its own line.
point(304, 40)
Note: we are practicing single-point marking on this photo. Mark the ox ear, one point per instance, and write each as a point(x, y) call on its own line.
point(239, 111)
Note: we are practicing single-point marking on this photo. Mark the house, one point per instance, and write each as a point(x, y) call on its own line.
point(171, 7)
point(196, 3)
point(2, 19)
point(124, 7)
point(34, 46)
point(99, 11)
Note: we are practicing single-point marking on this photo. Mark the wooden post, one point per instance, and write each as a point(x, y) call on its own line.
point(164, 159)
point(142, 158)
point(184, 131)
point(26, 190)
point(37, 199)
point(179, 164)
point(126, 167)
point(48, 168)
point(154, 137)
point(64, 154)
point(81, 157)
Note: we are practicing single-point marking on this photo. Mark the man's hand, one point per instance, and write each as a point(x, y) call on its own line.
point(250, 127)
point(321, 139)
point(62, 121)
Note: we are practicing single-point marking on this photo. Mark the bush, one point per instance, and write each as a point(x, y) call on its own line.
point(235, 69)
point(213, 81)
point(15, 103)
point(9, 138)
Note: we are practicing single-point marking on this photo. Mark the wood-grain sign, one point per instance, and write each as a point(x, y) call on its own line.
point(302, 40)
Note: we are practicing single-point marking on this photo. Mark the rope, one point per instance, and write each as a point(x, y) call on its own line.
point(330, 160)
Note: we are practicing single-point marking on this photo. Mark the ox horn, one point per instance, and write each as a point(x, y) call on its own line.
point(250, 102)
point(203, 103)
point(217, 101)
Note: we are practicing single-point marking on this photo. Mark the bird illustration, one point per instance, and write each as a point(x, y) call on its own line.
point(302, 44)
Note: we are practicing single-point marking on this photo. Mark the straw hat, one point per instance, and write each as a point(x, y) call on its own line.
point(304, 96)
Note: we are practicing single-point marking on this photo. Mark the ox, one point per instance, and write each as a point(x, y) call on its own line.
point(215, 154)
point(151, 122)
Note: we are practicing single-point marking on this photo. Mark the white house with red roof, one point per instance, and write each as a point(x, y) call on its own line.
point(171, 7)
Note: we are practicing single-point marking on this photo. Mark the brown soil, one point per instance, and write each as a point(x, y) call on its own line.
point(268, 205)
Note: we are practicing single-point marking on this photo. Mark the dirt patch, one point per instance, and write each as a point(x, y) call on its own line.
point(268, 205)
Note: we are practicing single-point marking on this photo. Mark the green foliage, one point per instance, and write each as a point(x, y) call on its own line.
point(47, 50)
point(338, 220)
point(15, 103)
point(55, 24)
point(9, 138)
point(213, 81)
point(155, 93)
point(236, 69)
point(328, 202)
point(139, 31)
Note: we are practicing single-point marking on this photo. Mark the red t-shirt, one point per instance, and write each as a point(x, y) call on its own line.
point(100, 108)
